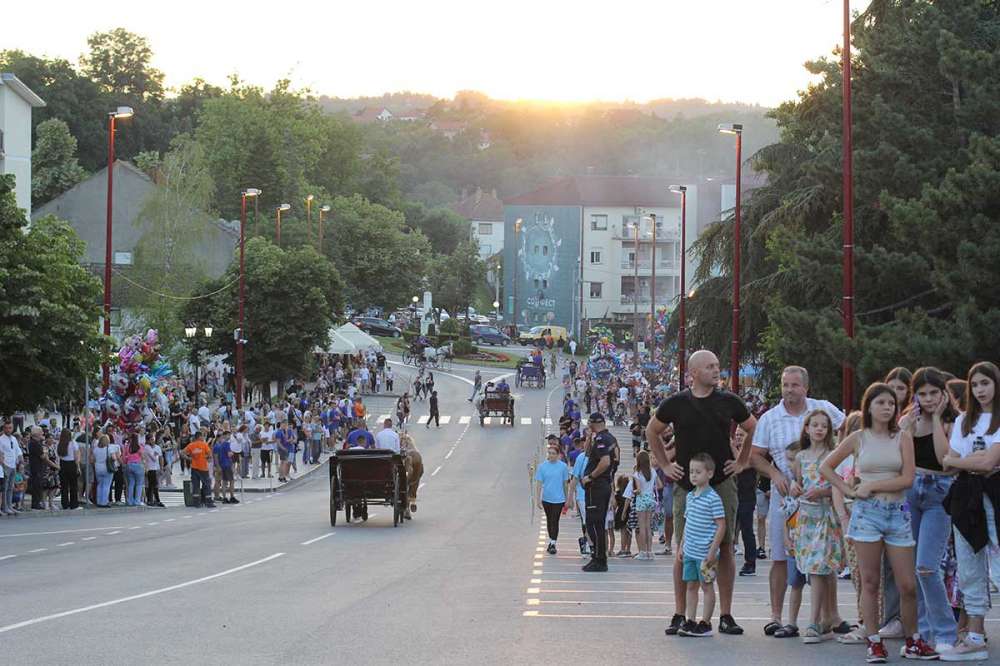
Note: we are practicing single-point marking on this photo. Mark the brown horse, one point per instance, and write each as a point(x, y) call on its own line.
point(413, 462)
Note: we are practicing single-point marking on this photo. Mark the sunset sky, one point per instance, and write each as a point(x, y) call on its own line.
point(731, 50)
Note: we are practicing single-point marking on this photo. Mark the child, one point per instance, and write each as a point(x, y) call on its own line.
point(636, 431)
point(817, 539)
point(704, 527)
point(621, 517)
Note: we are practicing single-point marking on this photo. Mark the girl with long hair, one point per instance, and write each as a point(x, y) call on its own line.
point(69, 470)
point(641, 492)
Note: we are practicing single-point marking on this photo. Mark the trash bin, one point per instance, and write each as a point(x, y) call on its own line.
point(188, 497)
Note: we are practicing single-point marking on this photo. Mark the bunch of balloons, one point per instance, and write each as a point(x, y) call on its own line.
point(141, 387)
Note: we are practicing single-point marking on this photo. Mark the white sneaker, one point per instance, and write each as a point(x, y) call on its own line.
point(964, 651)
point(892, 630)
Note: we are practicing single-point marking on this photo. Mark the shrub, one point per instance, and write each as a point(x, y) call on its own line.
point(451, 326)
point(464, 347)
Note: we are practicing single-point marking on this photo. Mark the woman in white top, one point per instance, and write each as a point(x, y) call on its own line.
point(152, 454)
point(267, 449)
point(974, 502)
point(642, 491)
point(69, 470)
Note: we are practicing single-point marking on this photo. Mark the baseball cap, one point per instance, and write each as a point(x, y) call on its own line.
point(596, 417)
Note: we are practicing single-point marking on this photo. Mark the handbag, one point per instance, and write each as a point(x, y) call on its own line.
point(110, 463)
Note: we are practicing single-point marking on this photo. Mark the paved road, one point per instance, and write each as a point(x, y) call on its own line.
point(269, 581)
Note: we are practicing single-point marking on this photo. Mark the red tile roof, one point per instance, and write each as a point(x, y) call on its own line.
point(600, 191)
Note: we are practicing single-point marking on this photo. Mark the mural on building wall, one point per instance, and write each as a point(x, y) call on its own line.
point(538, 259)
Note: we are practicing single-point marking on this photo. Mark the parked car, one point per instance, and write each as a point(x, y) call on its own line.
point(376, 326)
point(490, 335)
point(538, 333)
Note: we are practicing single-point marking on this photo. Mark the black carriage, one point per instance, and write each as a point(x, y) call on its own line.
point(531, 375)
point(362, 477)
point(496, 403)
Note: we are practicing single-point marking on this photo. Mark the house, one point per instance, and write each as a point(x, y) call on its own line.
point(574, 253)
point(484, 211)
point(410, 115)
point(84, 206)
point(484, 140)
point(371, 114)
point(16, 103)
point(449, 128)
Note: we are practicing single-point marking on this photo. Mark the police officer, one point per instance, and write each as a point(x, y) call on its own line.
point(597, 485)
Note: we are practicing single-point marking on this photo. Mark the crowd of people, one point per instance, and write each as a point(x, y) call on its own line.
point(902, 497)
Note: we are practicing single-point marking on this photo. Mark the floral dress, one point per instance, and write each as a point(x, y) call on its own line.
point(817, 539)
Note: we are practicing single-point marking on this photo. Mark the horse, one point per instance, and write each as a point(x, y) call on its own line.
point(413, 463)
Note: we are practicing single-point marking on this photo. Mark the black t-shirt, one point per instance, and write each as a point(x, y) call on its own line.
point(602, 444)
point(701, 425)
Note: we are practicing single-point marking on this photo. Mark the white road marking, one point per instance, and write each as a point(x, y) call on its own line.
point(547, 421)
point(434, 473)
point(382, 417)
point(38, 550)
point(488, 420)
point(445, 420)
point(136, 527)
point(68, 543)
point(424, 483)
point(153, 523)
point(169, 520)
point(525, 420)
point(213, 511)
point(88, 538)
point(114, 602)
point(448, 455)
point(7, 557)
point(88, 529)
point(113, 533)
point(319, 538)
point(423, 419)
point(464, 420)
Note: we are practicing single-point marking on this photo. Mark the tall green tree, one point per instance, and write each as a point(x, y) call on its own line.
point(54, 166)
point(49, 339)
point(454, 278)
point(291, 297)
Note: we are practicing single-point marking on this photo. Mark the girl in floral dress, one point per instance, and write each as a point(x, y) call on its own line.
point(817, 539)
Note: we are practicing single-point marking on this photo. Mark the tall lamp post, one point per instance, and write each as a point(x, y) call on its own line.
point(277, 227)
point(120, 112)
point(240, 336)
point(737, 129)
point(681, 341)
point(848, 188)
point(309, 218)
point(322, 209)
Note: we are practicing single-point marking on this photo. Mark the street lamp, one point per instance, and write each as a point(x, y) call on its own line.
point(681, 341)
point(737, 129)
point(309, 220)
point(496, 311)
point(240, 337)
point(190, 332)
point(120, 112)
point(277, 227)
point(848, 193)
point(322, 209)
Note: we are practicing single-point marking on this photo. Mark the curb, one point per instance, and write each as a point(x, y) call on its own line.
point(88, 510)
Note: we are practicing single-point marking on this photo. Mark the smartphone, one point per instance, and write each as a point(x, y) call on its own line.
point(916, 406)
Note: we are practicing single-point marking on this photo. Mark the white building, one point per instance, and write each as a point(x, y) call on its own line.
point(16, 103)
point(484, 211)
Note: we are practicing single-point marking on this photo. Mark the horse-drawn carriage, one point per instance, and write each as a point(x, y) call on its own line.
point(360, 477)
point(496, 403)
point(530, 374)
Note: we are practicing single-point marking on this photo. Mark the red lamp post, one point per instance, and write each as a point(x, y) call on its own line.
point(240, 332)
point(681, 341)
point(737, 129)
point(848, 193)
point(120, 112)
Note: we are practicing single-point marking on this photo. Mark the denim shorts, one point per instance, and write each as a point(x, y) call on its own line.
point(692, 570)
point(874, 520)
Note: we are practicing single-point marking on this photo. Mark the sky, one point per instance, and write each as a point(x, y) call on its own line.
point(516, 49)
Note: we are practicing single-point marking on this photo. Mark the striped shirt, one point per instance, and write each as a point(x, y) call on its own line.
point(700, 512)
point(777, 430)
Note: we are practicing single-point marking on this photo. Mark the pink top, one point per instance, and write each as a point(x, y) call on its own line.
point(131, 457)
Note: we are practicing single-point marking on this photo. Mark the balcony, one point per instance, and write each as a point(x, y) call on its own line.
point(662, 235)
point(666, 265)
point(630, 299)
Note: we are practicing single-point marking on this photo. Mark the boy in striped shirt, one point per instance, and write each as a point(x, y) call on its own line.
point(704, 527)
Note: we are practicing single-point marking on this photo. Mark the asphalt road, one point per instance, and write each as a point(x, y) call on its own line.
point(270, 582)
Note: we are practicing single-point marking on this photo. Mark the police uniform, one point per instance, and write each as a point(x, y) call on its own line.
point(598, 491)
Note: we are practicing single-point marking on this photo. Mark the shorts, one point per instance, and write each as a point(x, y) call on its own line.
point(265, 456)
point(776, 527)
point(667, 501)
point(796, 579)
point(692, 571)
point(227, 473)
point(645, 502)
point(763, 503)
point(874, 520)
point(730, 500)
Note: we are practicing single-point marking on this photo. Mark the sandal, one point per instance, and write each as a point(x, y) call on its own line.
point(771, 627)
point(813, 634)
point(787, 631)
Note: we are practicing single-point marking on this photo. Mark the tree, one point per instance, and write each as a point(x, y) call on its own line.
point(455, 278)
point(120, 62)
point(54, 167)
point(175, 218)
point(383, 257)
point(291, 296)
point(49, 312)
point(444, 228)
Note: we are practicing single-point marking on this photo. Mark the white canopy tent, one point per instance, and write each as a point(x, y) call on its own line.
point(338, 344)
point(357, 337)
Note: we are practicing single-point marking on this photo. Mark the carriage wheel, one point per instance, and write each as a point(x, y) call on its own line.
point(364, 512)
point(333, 501)
point(396, 512)
point(347, 513)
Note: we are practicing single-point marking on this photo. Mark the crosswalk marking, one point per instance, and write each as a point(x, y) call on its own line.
point(445, 420)
point(382, 417)
point(525, 420)
point(423, 419)
point(488, 420)
point(464, 420)
point(547, 421)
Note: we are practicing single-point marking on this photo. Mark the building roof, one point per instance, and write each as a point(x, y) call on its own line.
point(8, 79)
point(600, 191)
point(370, 114)
point(480, 206)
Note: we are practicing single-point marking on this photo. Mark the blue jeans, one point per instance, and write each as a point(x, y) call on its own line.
point(135, 474)
point(931, 529)
point(103, 484)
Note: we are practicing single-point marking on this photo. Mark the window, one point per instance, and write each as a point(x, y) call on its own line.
point(536, 249)
point(485, 249)
point(598, 222)
point(485, 229)
point(536, 283)
point(595, 256)
point(595, 289)
point(545, 250)
point(545, 284)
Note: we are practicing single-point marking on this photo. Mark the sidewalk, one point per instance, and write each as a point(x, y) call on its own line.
point(252, 485)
